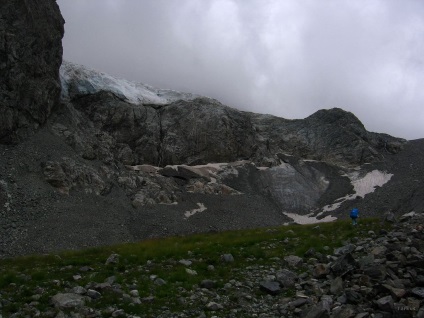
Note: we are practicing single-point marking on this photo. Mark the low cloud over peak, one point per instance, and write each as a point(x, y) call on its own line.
point(287, 58)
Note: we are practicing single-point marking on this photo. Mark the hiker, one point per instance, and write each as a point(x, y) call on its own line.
point(354, 214)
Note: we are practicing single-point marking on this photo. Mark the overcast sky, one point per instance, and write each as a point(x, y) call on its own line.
point(283, 57)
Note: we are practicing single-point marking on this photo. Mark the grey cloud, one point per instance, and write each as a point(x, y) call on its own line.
point(288, 58)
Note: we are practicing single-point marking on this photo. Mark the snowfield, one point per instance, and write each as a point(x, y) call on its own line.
point(201, 208)
point(308, 219)
point(362, 186)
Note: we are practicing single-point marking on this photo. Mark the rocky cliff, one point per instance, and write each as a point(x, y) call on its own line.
point(31, 34)
point(143, 127)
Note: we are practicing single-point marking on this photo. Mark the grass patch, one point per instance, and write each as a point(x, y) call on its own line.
point(23, 278)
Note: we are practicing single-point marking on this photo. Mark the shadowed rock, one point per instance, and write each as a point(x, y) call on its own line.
point(30, 56)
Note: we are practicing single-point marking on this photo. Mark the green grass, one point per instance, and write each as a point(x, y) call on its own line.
point(21, 277)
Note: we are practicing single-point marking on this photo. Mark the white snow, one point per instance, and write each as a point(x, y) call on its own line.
point(362, 186)
point(308, 219)
point(201, 208)
point(80, 80)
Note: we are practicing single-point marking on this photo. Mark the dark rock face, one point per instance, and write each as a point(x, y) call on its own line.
point(198, 131)
point(203, 130)
point(30, 56)
point(329, 135)
point(187, 129)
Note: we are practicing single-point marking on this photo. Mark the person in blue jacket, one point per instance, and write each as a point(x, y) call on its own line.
point(354, 214)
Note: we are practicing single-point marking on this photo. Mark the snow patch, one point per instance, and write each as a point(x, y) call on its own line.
point(201, 208)
point(362, 186)
point(262, 168)
point(80, 80)
point(309, 219)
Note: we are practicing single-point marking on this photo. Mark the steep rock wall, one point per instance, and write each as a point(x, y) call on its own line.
point(31, 34)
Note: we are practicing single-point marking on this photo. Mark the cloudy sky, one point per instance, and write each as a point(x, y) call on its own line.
point(283, 57)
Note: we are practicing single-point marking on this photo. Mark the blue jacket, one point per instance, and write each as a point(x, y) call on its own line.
point(354, 213)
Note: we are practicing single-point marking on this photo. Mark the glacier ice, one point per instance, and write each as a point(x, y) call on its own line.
point(77, 80)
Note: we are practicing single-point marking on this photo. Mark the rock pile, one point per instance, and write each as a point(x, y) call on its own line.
point(381, 276)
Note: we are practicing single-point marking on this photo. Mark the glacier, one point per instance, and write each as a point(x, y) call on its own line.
point(78, 80)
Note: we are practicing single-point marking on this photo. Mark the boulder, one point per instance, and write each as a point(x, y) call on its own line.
point(343, 265)
point(272, 288)
point(286, 278)
point(385, 303)
point(68, 301)
point(293, 260)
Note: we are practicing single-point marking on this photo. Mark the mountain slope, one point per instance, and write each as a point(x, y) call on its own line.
point(97, 172)
point(116, 161)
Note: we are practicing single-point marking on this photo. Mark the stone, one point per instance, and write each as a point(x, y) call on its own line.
point(148, 299)
point(310, 253)
point(272, 288)
point(390, 217)
point(227, 258)
point(407, 216)
point(395, 292)
point(336, 287)
point(213, 306)
point(136, 300)
point(208, 284)
point(119, 313)
point(185, 172)
point(375, 272)
point(79, 290)
point(112, 259)
point(286, 278)
point(316, 312)
point(93, 294)
point(191, 272)
point(385, 303)
point(103, 286)
point(379, 251)
point(320, 270)
point(353, 297)
point(159, 282)
point(362, 315)
point(366, 261)
point(420, 313)
point(293, 260)
point(298, 302)
point(185, 262)
point(344, 249)
point(68, 301)
point(111, 280)
point(345, 311)
point(418, 291)
point(54, 174)
point(343, 265)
